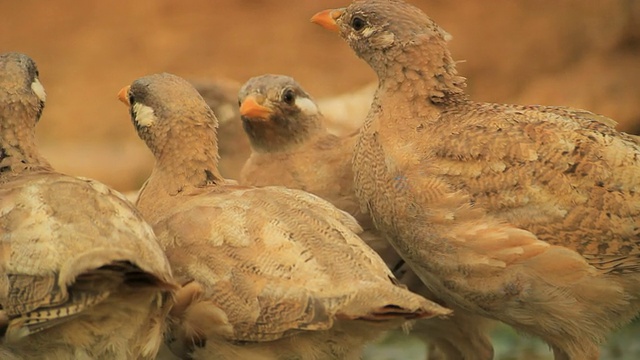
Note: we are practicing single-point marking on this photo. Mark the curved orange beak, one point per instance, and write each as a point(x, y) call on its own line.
point(123, 95)
point(327, 19)
point(251, 109)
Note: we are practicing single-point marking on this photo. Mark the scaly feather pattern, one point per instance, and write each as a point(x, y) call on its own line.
point(524, 214)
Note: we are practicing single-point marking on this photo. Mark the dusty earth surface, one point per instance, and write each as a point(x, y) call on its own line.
point(571, 52)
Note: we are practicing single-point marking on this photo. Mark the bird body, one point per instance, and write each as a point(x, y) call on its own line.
point(304, 156)
point(525, 214)
point(81, 274)
point(286, 162)
point(291, 146)
point(268, 273)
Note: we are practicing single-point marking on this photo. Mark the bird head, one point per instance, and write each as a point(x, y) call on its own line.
point(20, 83)
point(277, 112)
point(160, 104)
point(380, 30)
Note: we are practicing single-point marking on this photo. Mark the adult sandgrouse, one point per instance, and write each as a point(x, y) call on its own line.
point(269, 273)
point(82, 276)
point(344, 114)
point(525, 214)
point(291, 147)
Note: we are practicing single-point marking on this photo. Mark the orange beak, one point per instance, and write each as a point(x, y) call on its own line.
point(251, 109)
point(327, 19)
point(123, 95)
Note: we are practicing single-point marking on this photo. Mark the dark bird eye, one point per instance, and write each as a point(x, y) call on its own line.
point(357, 23)
point(131, 99)
point(288, 96)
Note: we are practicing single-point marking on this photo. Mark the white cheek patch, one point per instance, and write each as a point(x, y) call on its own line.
point(383, 40)
point(367, 32)
point(38, 89)
point(144, 115)
point(307, 106)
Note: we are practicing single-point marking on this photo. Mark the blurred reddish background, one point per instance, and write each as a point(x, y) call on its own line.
point(577, 53)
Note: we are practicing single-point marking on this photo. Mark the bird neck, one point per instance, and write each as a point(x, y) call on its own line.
point(269, 137)
point(187, 159)
point(18, 151)
point(421, 72)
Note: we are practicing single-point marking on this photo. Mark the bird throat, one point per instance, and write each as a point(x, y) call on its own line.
point(279, 135)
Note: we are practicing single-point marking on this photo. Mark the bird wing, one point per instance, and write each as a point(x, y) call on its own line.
point(68, 244)
point(273, 261)
point(562, 174)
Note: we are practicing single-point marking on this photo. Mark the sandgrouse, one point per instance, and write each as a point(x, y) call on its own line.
point(343, 116)
point(525, 214)
point(291, 147)
point(82, 276)
point(268, 273)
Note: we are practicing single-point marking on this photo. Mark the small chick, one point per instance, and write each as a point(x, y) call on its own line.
point(81, 274)
point(268, 273)
point(525, 214)
point(291, 147)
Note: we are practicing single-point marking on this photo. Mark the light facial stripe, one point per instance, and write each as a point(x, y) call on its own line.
point(307, 106)
point(144, 115)
point(38, 89)
point(366, 32)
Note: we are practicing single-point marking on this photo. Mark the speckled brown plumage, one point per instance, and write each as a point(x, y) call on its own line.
point(81, 274)
point(269, 273)
point(222, 97)
point(292, 148)
point(525, 214)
